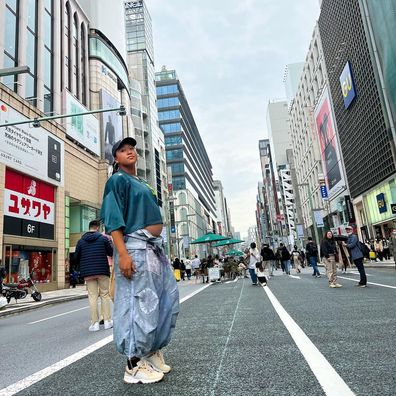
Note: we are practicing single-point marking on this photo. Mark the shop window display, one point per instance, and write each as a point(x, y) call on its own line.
point(24, 263)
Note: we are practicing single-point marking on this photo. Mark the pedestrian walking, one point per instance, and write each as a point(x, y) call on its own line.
point(188, 268)
point(386, 251)
point(296, 259)
point(195, 266)
point(260, 273)
point(146, 302)
point(328, 251)
point(177, 269)
point(182, 270)
point(312, 256)
point(254, 257)
point(268, 257)
point(356, 255)
point(91, 253)
point(379, 248)
point(285, 258)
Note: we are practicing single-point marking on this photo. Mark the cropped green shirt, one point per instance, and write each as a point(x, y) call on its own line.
point(129, 204)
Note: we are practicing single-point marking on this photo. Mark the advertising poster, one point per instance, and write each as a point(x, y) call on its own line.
point(111, 124)
point(30, 150)
point(83, 129)
point(29, 206)
point(328, 144)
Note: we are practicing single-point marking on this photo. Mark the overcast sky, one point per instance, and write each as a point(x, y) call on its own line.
point(230, 56)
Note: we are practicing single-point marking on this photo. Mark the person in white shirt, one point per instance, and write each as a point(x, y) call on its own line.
point(188, 265)
point(195, 266)
point(254, 257)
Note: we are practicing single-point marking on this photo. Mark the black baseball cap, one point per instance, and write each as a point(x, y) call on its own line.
point(120, 143)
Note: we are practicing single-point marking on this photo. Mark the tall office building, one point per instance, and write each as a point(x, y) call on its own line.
point(364, 118)
point(140, 55)
point(186, 156)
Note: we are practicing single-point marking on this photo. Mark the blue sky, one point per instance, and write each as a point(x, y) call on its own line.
point(230, 57)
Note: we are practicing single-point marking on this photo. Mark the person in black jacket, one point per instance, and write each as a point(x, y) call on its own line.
point(91, 253)
point(268, 258)
point(312, 256)
point(328, 251)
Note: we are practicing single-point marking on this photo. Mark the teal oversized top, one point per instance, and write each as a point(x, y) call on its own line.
point(129, 204)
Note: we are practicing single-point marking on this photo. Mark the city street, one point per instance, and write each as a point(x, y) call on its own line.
point(294, 337)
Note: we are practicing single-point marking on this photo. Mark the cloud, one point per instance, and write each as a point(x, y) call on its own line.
point(230, 57)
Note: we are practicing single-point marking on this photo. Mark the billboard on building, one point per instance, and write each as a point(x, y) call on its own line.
point(111, 124)
point(347, 85)
point(328, 144)
point(83, 129)
point(29, 206)
point(30, 150)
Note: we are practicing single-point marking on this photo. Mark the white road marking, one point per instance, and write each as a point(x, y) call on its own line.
point(355, 273)
point(46, 372)
point(227, 342)
point(57, 316)
point(330, 381)
point(294, 276)
point(369, 283)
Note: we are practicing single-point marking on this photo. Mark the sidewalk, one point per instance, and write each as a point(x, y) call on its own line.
point(48, 298)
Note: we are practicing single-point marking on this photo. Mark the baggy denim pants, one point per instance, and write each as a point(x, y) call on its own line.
point(146, 306)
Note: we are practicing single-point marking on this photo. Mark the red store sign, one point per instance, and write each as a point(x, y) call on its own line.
point(29, 206)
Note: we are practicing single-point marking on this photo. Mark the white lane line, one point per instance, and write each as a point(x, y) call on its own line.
point(57, 316)
point(331, 383)
point(46, 372)
point(227, 342)
point(369, 283)
point(294, 276)
point(194, 293)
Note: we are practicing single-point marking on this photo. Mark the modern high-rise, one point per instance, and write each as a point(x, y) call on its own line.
point(361, 96)
point(223, 222)
point(140, 55)
point(190, 167)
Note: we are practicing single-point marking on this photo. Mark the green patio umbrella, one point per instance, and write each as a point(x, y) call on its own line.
point(229, 241)
point(209, 238)
point(234, 252)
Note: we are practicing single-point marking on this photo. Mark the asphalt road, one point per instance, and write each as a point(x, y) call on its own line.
point(230, 340)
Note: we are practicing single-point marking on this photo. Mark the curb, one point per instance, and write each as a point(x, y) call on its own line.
point(15, 311)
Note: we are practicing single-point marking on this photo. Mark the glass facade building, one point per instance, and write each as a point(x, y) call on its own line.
point(185, 152)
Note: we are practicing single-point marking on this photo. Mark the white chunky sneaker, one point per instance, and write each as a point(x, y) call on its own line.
point(143, 373)
point(158, 362)
point(94, 327)
point(108, 324)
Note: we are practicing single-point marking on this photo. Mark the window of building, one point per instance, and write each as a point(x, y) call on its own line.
point(10, 36)
point(168, 115)
point(76, 68)
point(31, 55)
point(177, 168)
point(167, 89)
point(173, 140)
point(179, 183)
point(68, 65)
point(174, 154)
point(168, 102)
point(48, 57)
point(169, 128)
point(83, 66)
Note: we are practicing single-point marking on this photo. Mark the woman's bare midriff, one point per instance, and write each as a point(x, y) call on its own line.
point(154, 229)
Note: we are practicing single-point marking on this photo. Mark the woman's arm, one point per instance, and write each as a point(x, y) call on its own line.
point(125, 262)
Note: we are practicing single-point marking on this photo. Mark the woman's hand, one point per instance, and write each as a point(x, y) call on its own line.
point(126, 265)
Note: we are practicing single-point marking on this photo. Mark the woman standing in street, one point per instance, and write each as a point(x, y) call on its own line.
point(328, 250)
point(254, 257)
point(146, 301)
